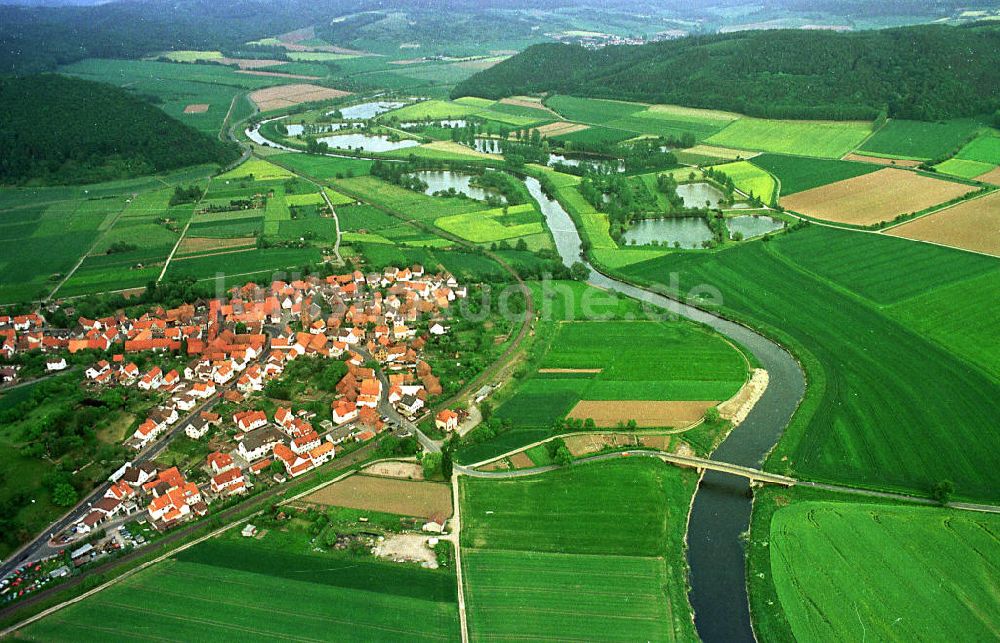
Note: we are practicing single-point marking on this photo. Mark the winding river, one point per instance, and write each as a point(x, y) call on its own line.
point(722, 503)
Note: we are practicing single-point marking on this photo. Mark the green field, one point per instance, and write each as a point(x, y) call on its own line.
point(213, 592)
point(798, 174)
point(258, 169)
point(918, 139)
point(886, 407)
point(830, 139)
point(323, 167)
point(751, 180)
point(639, 361)
point(595, 135)
point(177, 85)
point(984, 148)
point(594, 568)
point(592, 110)
point(494, 225)
point(48, 230)
point(431, 110)
point(963, 168)
point(885, 572)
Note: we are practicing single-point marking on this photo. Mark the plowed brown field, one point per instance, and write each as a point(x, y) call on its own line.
point(972, 225)
point(873, 198)
point(645, 414)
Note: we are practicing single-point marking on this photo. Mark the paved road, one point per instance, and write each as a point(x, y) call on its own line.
point(386, 409)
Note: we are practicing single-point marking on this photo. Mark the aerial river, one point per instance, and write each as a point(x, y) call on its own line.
point(722, 503)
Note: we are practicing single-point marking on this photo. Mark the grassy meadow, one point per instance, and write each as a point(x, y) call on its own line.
point(886, 406)
point(829, 139)
point(918, 139)
point(594, 568)
point(890, 572)
point(229, 588)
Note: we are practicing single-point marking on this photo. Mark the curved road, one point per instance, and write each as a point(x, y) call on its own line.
point(722, 504)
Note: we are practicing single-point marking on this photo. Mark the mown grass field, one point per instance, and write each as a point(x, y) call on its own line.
point(885, 572)
point(829, 139)
point(886, 406)
point(592, 110)
point(215, 592)
point(751, 180)
point(494, 225)
point(593, 568)
point(985, 148)
point(963, 168)
point(639, 360)
point(798, 173)
point(918, 139)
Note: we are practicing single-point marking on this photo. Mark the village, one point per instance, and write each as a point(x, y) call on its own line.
point(377, 325)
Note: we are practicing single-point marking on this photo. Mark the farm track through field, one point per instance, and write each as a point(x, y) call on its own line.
point(86, 254)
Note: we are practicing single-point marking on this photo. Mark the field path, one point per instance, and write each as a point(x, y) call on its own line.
point(89, 250)
point(170, 257)
point(336, 222)
point(455, 537)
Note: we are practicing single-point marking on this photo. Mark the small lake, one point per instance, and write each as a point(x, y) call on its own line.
point(618, 165)
point(488, 145)
point(295, 129)
point(446, 123)
point(368, 110)
point(444, 180)
point(690, 232)
point(367, 142)
point(696, 194)
point(751, 226)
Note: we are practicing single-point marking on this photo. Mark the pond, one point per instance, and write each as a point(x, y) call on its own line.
point(690, 232)
point(442, 181)
point(295, 129)
point(696, 194)
point(617, 164)
point(445, 123)
point(488, 145)
point(368, 110)
point(754, 225)
point(367, 142)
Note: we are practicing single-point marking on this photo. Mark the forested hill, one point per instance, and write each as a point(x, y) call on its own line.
point(925, 73)
point(65, 130)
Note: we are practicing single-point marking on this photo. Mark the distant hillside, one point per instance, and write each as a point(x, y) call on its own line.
point(65, 130)
point(924, 73)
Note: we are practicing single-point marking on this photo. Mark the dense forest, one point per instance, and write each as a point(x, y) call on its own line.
point(39, 38)
point(924, 73)
point(65, 130)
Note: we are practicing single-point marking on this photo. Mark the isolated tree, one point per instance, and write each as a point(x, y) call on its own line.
point(64, 495)
point(943, 491)
point(431, 464)
point(579, 271)
point(712, 415)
